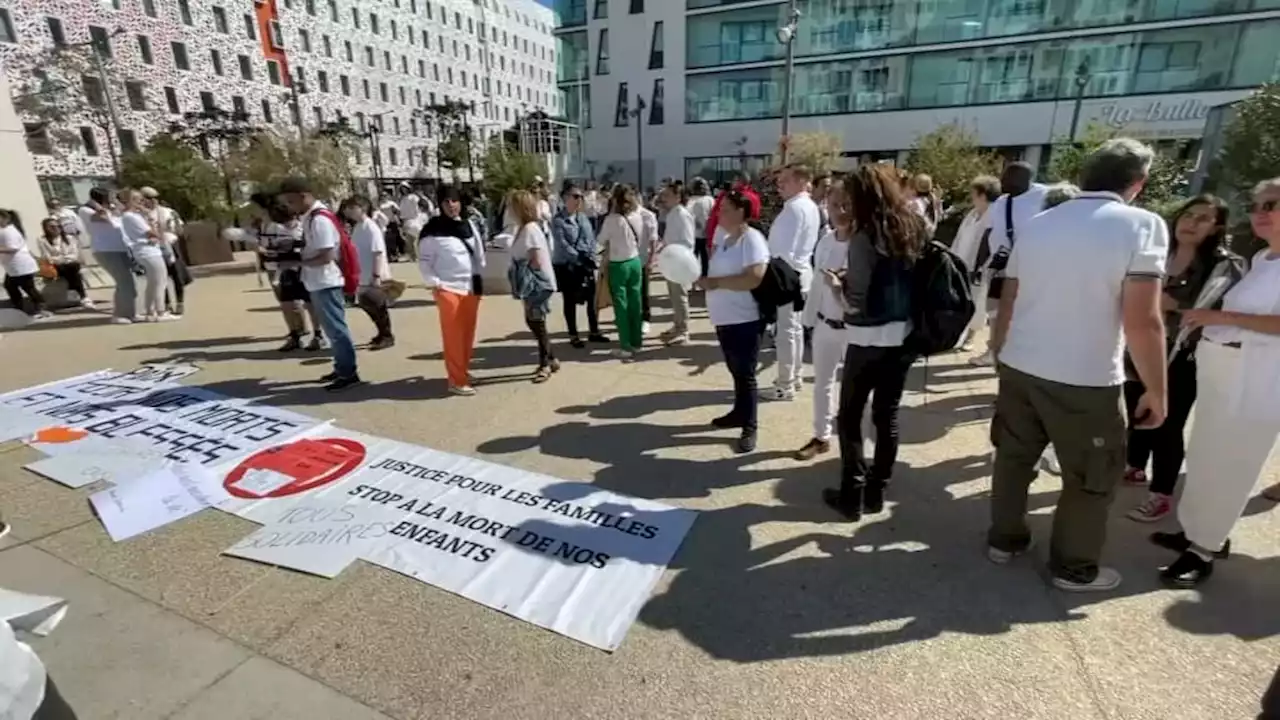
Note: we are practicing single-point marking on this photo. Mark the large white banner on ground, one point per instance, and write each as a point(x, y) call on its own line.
point(568, 557)
point(110, 426)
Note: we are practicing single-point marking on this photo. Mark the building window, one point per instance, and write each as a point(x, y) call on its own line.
point(395, 125)
point(344, 83)
point(37, 137)
point(364, 85)
point(206, 101)
point(327, 44)
point(56, 33)
point(144, 50)
point(657, 113)
point(637, 7)
point(266, 111)
point(88, 141)
point(386, 59)
point(311, 7)
point(355, 17)
point(383, 93)
point(346, 46)
point(250, 26)
point(215, 58)
point(171, 100)
point(101, 40)
point(322, 79)
point(137, 93)
point(277, 35)
point(656, 53)
point(273, 72)
point(333, 10)
point(149, 7)
point(319, 113)
point(180, 60)
point(304, 40)
point(373, 23)
point(220, 19)
point(246, 67)
point(128, 141)
point(602, 53)
point(237, 105)
point(184, 12)
point(621, 118)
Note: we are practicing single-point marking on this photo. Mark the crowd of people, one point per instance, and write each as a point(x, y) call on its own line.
point(1106, 323)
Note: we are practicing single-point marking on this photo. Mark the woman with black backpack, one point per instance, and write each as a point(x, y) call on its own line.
point(876, 290)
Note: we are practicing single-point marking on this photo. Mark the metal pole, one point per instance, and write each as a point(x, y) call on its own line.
point(471, 158)
point(1082, 81)
point(112, 118)
point(639, 145)
point(792, 15)
point(297, 104)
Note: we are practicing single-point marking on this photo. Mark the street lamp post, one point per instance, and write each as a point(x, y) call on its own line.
point(637, 113)
point(471, 158)
point(787, 36)
point(113, 120)
point(1082, 82)
point(297, 87)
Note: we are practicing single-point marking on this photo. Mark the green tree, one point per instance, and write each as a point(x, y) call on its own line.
point(265, 159)
point(1250, 150)
point(189, 183)
point(506, 169)
point(819, 150)
point(1166, 183)
point(454, 151)
point(952, 156)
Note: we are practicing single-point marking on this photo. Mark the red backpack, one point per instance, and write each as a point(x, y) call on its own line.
point(348, 258)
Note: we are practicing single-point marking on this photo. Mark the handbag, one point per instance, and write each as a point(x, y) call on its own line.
point(604, 299)
point(47, 270)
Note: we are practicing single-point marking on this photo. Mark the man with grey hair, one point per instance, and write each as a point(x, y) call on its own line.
point(1083, 279)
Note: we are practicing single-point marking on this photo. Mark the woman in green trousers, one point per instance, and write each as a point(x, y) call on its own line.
point(625, 240)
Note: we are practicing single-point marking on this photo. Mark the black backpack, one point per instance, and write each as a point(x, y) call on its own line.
point(941, 301)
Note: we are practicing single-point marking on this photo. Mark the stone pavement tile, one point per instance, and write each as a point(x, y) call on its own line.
point(41, 506)
point(180, 568)
point(117, 656)
point(814, 636)
point(263, 690)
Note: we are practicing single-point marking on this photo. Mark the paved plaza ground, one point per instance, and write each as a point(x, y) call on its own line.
point(771, 609)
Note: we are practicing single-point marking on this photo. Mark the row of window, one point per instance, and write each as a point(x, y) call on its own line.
point(1215, 57)
point(574, 12)
point(625, 110)
point(574, 52)
point(527, 70)
point(836, 26)
point(476, 27)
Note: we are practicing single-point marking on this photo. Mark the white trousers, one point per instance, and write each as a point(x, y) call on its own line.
point(1226, 453)
point(789, 342)
point(157, 278)
point(979, 319)
point(829, 346)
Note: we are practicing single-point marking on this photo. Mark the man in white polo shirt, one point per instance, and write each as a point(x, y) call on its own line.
point(1083, 279)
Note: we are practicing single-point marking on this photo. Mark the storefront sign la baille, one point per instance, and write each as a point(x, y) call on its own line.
point(1156, 118)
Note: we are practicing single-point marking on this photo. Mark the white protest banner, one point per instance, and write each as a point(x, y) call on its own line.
point(105, 461)
point(15, 423)
point(156, 499)
point(565, 556)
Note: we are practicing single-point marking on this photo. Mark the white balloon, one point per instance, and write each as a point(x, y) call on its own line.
point(679, 265)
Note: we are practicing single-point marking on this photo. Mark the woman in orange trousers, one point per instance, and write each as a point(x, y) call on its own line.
point(451, 258)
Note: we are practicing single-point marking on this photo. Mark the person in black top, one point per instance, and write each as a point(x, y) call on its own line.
point(1199, 231)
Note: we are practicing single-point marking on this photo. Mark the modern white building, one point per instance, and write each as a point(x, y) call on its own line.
point(879, 73)
point(371, 62)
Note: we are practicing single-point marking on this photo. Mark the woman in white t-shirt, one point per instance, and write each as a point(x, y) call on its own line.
point(1237, 416)
point(530, 252)
point(19, 266)
point(735, 269)
point(371, 247)
point(145, 243)
point(975, 227)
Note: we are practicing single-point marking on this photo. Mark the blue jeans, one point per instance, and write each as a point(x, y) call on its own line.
point(741, 347)
point(331, 308)
point(124, 302)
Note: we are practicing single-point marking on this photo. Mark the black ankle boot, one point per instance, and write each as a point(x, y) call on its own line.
point(847, 500)
point(873, 497)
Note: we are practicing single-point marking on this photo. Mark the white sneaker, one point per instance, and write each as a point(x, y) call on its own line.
point(621, 354)
point(774, 392)
point(167, 317)
point(983, 360)
point(121, 321)
point(1107, 579)
point(87, 303)
point(675, 340)
point(462, 390)
point(42, 315)
point(644, 328)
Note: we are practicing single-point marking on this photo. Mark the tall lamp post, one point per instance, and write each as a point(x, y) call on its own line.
point(113, 120)
point(637, 113)
point(297, 87)
point(787, 36)
point(1082, 82)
